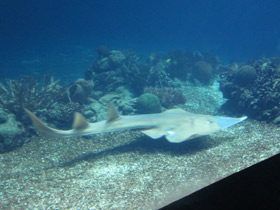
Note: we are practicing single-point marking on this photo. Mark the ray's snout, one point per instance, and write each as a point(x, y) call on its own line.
point(225, 122)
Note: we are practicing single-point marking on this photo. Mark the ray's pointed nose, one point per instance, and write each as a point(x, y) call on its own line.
point(225, 122)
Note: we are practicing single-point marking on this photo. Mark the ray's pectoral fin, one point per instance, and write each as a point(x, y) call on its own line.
point(176, 135)
point(154, 133)
point(180, 134)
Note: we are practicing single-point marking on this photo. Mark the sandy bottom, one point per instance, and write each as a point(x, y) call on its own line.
point(126, 170)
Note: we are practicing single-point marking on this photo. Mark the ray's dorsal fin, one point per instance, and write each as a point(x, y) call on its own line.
point(79, 121)
point(112, 113)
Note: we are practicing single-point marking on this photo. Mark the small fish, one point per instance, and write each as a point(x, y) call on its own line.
point(176, 125)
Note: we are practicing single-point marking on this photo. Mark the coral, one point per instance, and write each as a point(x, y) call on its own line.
point(124, 68)
point(103, 51)
point(120, 68)
point(167, 96)
point(3, 117)
point(117, 58)
point(148, 103)
point(29, 92)
point(179, 64)
point(256, 95)
point(202, 71)
point(43, 96)
point(108, 81)
point(108, 63)
point(275, 61)
point(79, 91)
point(184, 65)
point(158, 76)
point(62, 114)
point(245, 75)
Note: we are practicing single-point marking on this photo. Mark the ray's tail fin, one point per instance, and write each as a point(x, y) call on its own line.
point(41, 127)
point(46, 131)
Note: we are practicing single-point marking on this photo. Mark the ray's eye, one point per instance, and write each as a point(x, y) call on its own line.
point(210, 121)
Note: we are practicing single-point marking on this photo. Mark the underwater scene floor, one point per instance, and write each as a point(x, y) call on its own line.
point(127, 170)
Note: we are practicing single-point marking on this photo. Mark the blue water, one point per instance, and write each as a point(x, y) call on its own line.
point(61, 35)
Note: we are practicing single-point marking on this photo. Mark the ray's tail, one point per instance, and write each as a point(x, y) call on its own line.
point(46, 131)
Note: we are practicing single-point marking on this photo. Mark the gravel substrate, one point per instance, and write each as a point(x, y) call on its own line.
point(126, 170)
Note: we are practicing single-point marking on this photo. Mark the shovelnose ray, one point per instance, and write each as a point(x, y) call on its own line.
point(176, 125)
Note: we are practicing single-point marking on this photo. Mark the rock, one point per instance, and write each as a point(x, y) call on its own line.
point(11, 134)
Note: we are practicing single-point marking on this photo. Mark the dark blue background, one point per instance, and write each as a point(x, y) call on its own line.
point(235, 30)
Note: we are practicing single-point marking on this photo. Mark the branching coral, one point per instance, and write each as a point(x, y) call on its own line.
point(30, 92)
